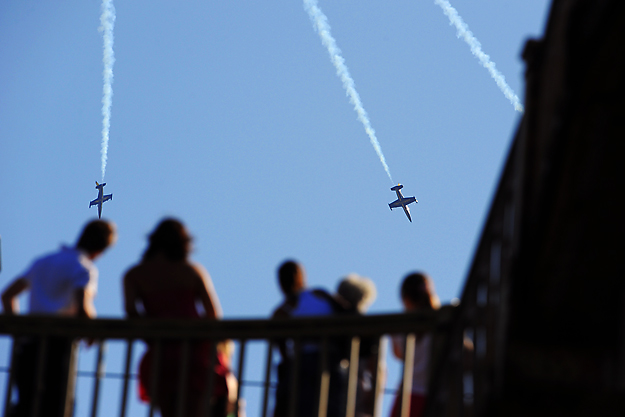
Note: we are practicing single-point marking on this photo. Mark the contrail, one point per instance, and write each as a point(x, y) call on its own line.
point(320, 22)
point(107, 22)
point(476, 49)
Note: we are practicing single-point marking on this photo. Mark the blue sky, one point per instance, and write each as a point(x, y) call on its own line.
point(229, 116)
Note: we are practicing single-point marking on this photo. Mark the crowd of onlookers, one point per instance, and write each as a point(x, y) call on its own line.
point(165, 284)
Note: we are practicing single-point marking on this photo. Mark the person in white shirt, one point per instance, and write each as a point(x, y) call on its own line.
point(62, 283)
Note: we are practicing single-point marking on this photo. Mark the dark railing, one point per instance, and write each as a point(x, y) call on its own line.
point(325, 330)
point(468, 362)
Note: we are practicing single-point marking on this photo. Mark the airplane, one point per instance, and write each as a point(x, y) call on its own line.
point(402, 201)
point(101, 198)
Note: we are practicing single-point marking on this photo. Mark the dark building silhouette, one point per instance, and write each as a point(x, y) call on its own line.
point(543, 309)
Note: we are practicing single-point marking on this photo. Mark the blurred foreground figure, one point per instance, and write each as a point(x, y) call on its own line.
point(417, 294)
point(63, 283)
point(233, 408)
point(360, 293)
point(166, 285)
point(299, 301)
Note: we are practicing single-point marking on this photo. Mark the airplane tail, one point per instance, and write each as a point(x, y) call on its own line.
point(397, 187)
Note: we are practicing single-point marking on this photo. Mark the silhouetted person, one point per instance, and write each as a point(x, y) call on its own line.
point(63, 283)
point(166, 285)
point(360, 293)
point(233, 409)
point(299, 301)
point(417, 294)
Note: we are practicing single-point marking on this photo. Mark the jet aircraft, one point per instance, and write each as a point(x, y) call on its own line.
point(402, 201)
point(101, 198)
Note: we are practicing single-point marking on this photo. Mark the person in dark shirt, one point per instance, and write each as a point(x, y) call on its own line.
point(300, 301)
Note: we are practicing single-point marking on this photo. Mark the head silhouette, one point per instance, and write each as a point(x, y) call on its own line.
point(96, 237)
point(291, 277)
point(359, 291)
point(417, 292)
point(170, 239)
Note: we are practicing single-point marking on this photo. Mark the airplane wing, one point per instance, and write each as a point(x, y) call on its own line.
point(107, 197)
point(93, 202)
point(395, 204)
point(407, 211)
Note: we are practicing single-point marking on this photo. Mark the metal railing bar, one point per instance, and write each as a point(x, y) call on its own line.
point(210, 381)
point(9, 391)
point(477, 364)
point(126, 376)
point(267, 376)
point(70, 387)
point(324, 381)
point(151, 329)
point(119, 375)
point(106, 375)
point(259, 384)
point(242, 344)
point(352, 382)
point(407, 379)
point(295, 383)
point(156, 366)
point(379, 374)
point(41, 363)
point(99, 366)
point(183, 378)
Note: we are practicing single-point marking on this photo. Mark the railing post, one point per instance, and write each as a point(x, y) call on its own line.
point(210, 380)
point(295, 383)
point(183, 377)
point(352, 384)
point(127, 366)
point(267, 376)
point(99, 370)
point(39, 375)
point(242, 344)
point(380, 370)
point(408, 371)
point(156, 367)
point(9, 391)
point(324, 380)
point(71, 371)
point(457, 369)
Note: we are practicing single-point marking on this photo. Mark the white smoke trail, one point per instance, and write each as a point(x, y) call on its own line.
point(320, 22)
point(107, 22)
point(476, 49)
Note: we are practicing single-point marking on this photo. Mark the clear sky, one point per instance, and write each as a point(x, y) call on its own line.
point(230, 116)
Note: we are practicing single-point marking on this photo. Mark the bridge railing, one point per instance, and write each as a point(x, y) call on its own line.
point(157, 332)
